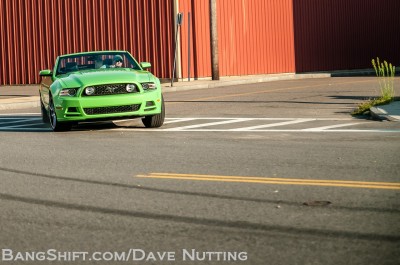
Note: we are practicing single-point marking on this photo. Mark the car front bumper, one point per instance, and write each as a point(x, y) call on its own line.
point(108, 107)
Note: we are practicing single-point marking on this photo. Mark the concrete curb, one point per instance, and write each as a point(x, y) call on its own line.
point(382, 112)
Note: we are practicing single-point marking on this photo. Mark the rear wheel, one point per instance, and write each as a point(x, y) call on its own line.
point(55, 124)
point(157, 120)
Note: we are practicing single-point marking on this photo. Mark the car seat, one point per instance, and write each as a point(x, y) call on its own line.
point(107, 62)
point(71, 66)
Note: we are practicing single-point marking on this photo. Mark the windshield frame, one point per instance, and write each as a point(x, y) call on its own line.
point(87, 62)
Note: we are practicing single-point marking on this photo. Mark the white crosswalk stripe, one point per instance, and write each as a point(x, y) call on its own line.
point(208, 124)
point(330, 127)
point(168, 121)
point(13, 121)
point(272, 125)
point(22, 122)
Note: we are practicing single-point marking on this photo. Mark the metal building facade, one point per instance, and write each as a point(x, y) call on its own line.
point(345, 34)
point(254, 37)
point(34, 32)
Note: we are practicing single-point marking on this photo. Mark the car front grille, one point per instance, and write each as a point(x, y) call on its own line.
point(113, 109)
point(109, 89)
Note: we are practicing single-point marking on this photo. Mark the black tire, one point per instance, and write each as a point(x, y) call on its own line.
point(157, 120)
point(45, 115)
point(54, 123)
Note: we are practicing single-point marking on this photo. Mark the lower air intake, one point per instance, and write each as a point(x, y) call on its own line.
point(113, 109)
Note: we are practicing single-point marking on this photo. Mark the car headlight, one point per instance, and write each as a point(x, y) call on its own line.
point(89, 90)
point(68, 92)
point(149, 86)
point(131, 88)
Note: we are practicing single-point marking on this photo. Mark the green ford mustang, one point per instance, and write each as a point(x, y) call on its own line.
point(106, 85)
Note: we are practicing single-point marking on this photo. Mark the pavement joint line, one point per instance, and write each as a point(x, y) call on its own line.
point(279, 181)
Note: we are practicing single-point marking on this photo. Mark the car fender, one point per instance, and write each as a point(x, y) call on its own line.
point(55, 88)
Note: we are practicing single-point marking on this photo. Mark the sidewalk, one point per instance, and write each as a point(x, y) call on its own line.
point(27, 96)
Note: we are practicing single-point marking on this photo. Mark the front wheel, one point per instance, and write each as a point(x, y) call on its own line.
point(55, 124)
point(157, 120)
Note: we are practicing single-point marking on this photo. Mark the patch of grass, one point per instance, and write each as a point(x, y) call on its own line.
point(385, 73)
point(364, 107)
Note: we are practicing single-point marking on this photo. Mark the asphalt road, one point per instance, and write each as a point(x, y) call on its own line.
point(270, 173)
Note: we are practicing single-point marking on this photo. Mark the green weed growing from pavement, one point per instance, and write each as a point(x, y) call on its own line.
point(385, 72)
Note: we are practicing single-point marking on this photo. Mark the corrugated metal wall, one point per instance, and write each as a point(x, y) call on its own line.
point(200, 53)
point(255, 37)
point(34, 32)
point(343, 34)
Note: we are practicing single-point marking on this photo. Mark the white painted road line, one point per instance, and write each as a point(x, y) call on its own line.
point(268, 130)
point(178, 120)
point(23, 125)
point(272, 125)
point(2, 123)
point(32, 122)
point(262, 119)
point(25, 129)
point(330, 127)
point(19, 114)
point(17, 121)
point(208, 124)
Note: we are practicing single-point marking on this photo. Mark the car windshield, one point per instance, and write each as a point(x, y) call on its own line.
point(93, 61)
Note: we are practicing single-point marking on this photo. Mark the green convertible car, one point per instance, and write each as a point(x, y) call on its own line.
point(93, 86)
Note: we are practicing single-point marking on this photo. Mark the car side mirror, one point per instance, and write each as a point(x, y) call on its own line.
point(145, 65)
point(46, 72)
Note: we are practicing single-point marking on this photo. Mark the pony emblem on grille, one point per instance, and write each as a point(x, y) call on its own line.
point(110, 89)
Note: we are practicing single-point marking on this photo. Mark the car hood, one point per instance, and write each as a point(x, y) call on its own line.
point(109, 76)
